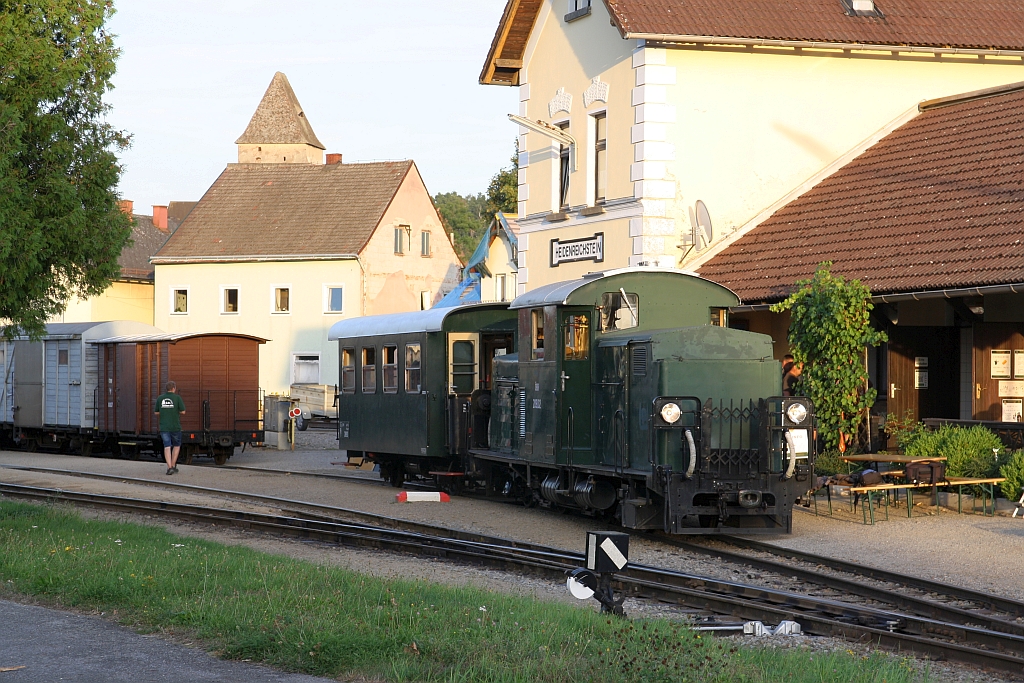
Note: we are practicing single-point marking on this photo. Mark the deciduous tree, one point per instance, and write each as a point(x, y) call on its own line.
point(829, 329)
point(61, 231)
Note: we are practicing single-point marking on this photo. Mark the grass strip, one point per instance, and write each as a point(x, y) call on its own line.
point(328, 621)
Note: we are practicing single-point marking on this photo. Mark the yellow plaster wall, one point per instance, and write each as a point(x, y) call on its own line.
point(394, 281)
point(301, 331)
point(120, 301)
point(499, 261)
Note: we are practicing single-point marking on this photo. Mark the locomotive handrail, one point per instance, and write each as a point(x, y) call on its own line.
point(620, 440)
point(570, 434)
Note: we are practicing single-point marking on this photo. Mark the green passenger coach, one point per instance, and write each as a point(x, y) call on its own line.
point(622, 394)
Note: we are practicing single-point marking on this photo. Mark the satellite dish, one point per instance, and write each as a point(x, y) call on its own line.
point(704, 220)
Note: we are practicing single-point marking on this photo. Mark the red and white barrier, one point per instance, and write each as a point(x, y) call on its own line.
point(421, 497)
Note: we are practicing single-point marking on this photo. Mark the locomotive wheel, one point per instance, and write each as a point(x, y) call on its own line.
point(707, 521)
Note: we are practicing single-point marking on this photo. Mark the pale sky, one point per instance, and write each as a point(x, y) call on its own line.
point(395, 80)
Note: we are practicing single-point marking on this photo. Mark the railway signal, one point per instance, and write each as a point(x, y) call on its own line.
point(607, 553)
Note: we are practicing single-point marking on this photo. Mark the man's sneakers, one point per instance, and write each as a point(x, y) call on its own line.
point(172, 470)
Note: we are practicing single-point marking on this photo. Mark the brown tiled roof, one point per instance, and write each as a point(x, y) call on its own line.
point(146, 241)
point(978, 24)
point(936, 204)
point(921, 24)
point(288, 209)
point(279, 118)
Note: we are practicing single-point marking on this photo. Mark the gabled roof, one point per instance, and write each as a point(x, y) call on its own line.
point(933, 25)
point(279, 118)
point(146, 241)
point(937, 204)
point(256, 211)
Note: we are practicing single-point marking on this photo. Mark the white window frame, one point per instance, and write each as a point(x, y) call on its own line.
point(223, 289)
point(556, 173)
point(425, 235)
point(273, 298)
point(591, 159)
point(319, 364)
point(188, 299)
point(328, 286)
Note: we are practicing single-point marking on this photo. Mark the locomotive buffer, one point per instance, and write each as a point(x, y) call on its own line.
point(607, 553)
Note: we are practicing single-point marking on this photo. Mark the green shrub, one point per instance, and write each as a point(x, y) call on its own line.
point(828, 463)
point(968, 450)
point(906, 430)
point(1013, 470)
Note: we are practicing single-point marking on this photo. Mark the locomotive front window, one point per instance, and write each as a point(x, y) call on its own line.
point(390, 369)
point(412, 368)
point(537, 316)
point(576, 333)
point(369, 370)
point(348, 371)
point(619, 311)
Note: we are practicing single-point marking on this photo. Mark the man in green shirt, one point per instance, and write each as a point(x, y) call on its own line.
point(169, 407)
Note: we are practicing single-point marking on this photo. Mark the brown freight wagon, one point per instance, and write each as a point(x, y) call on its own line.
point(217, 377)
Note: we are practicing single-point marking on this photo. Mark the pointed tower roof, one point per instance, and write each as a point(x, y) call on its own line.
point(279, 119)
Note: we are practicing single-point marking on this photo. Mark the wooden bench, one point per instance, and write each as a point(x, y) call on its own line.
point(870, 492)
point(987, 486)
point(988, 492)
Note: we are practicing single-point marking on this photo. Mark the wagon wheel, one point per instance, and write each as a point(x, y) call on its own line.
point(87, 448)
point(221, 455)
point(31, 445)
point(186, 453)
point(130, 451)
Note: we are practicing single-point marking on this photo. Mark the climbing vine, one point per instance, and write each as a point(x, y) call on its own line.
point(828, 332)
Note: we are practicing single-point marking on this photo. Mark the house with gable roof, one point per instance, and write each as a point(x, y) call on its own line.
point(931, 219)
point(287, 241)
point(651, 130)
point(490, 273)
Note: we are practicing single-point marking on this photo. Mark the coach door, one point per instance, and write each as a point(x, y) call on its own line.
point(574, 388)
point(610, 391)
point(463, 380)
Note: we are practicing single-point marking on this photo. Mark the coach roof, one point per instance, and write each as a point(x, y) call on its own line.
point(430, 320)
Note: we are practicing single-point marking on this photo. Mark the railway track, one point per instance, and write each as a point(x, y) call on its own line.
point(898, 628)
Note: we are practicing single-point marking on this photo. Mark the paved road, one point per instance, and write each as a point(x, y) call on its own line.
point(61, 646)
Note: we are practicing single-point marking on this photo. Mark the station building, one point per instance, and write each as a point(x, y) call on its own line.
point(931, 219)
point(652, 132)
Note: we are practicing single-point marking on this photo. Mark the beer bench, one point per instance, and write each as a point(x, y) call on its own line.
point(987, 486)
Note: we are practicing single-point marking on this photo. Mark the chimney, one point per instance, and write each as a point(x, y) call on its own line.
point(333, 159)
point(160, 217)
point(126, 205)
point(863, 5)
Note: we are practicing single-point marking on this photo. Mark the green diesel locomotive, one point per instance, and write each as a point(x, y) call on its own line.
point(622, 394)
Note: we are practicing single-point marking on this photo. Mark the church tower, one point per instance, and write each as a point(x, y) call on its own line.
point(278, 132)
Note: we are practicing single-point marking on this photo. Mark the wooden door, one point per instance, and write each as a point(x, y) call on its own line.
point(924, 372)
point(989, 377)
point(126, 389)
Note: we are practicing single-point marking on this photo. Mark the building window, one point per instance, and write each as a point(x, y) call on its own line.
point(576, 334)
point(403, 239)
point(389, 366)
point(600, 157)
point(563, 173)
point(412, 368)
point(334, 298)
point(424, 299)
point(229, 299)
point(619, 311)
point(720, 317)
point(306, 369)
point(179, 300)
point(501, 287)
point(369, 370)
point(537, 317)
point(282, 299)
point(348, 371)
point(425, 243)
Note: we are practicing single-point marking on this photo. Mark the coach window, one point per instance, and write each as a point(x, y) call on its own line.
point(348, 371)
point(576, 333)
point(389, 368)
point(412, 368)
point(537, 316)
point(369, 370)
point(619, 311)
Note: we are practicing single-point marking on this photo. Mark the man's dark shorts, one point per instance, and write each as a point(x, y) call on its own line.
point(171, 439)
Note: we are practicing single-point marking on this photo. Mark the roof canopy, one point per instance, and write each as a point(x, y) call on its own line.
point(171, 338)
point(430, 320)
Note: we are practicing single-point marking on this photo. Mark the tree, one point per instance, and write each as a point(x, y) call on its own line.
point(829, 329)
point(61, 231)
point(468, 216)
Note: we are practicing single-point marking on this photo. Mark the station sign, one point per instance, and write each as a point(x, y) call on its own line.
point(582, 249)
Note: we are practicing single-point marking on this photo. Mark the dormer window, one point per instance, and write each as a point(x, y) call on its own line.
point(577, 10)
point(861, 8)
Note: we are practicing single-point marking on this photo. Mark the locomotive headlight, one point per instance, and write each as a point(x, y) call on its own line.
point(670, 413)
point(796, 412)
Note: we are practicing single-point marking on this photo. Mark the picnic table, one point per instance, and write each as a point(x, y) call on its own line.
point(987, 485)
